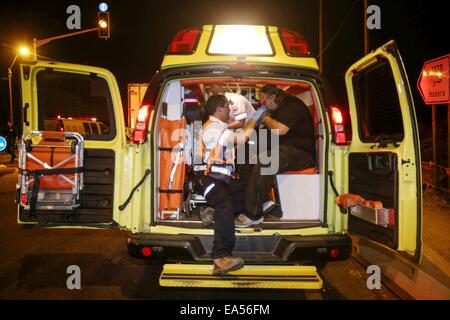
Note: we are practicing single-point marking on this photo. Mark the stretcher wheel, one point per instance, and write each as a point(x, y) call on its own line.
point(28, 144)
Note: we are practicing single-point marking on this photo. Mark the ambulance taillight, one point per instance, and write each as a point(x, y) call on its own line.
point(337, 125)
point(334, 253)
point(146, 252)
point(140, 130)
point(184, 41)
point(295, 45)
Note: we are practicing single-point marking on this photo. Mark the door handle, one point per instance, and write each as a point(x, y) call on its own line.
point(25, 114)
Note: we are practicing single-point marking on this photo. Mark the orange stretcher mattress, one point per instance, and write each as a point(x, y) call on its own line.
point(171, 164)
point(53, 157)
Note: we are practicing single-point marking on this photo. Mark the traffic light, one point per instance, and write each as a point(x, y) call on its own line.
point(103, 25)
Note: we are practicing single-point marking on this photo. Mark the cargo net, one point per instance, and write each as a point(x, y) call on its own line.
point(50, 171)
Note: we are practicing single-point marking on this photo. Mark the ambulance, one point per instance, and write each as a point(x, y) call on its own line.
point(80, 125)
point(147, 186)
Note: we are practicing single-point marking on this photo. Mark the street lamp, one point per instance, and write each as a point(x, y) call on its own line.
point(23, 51)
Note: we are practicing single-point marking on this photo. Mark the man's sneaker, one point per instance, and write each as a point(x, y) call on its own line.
point(227, 264)
point(242, 221)
point(268, 206)
point(207, 216)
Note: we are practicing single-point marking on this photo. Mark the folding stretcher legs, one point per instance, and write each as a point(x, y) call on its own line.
point(50, 170)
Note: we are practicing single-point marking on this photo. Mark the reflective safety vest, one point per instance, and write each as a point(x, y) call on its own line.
point(217, 154)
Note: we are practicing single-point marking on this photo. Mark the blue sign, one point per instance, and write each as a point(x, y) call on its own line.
point(103, 7)
point(3, 144)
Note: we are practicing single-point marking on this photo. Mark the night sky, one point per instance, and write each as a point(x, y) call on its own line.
point(142, 30)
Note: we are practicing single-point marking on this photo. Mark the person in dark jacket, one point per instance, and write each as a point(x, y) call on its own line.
point(291, 120)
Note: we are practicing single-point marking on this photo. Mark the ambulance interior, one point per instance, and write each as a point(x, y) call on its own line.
point(298, 193)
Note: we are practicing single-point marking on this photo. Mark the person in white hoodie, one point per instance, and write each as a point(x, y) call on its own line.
point(241, 110)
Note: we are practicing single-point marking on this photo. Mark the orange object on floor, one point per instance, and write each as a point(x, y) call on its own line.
point(373, 204)
point(349, 200)
point(304, 171)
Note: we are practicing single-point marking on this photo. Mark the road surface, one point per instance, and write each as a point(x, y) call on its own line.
point(33, 265)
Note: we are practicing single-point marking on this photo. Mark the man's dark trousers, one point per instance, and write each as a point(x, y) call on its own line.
point(227, 199)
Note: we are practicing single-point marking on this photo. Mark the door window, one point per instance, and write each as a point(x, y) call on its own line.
point(378, 104)
point(64, 95)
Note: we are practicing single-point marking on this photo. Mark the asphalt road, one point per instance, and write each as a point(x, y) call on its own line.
point(33, 265)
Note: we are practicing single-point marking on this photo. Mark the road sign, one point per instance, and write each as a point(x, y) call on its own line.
point(434, 82)
point(3, 144)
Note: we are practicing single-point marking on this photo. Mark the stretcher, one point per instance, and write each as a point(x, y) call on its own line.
point(50, 170)
point(172, 167)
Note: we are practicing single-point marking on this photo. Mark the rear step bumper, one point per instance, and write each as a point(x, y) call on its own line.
point(253, 277)
point(315, 250)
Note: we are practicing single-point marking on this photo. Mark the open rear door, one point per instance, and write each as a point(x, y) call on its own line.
point(384, 159)
point(62, 100)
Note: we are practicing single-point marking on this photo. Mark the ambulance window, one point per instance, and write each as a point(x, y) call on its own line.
point(77, 96)
point(103, 129)
point(378, 104)
point(94, 128)
point(86, 127)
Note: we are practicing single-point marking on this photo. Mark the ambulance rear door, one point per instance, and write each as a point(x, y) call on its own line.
point(384, 165)
point(54, 91)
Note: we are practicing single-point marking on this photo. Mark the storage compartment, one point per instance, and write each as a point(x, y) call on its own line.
point(374, 176)
point(381, 217)
point(299, 197)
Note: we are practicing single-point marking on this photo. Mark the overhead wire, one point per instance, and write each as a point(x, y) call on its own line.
point(339, 28)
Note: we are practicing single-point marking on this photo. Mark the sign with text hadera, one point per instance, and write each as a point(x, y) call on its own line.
point(434, 83)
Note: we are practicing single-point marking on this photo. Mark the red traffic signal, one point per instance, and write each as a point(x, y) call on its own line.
point(103, 25)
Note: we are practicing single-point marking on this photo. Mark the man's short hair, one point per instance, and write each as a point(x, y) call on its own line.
point(215, 101)
point(272, 90)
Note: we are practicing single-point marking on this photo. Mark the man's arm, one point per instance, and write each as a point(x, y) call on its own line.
point(236, 124)
point(275, 126)
point(242, 137)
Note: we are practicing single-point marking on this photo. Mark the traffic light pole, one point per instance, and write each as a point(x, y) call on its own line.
point(38, 43)
point(321, 66)
point(11, 112)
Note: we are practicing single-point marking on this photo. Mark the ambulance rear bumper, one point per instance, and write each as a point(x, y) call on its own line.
point(253, 249)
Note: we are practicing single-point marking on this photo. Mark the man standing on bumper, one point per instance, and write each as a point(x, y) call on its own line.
point(221, 190)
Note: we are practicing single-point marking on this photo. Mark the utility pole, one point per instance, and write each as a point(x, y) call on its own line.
point(321, 36)
point(22, 52)
point(435, 144)
point(11, 114)
point(366, 30)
